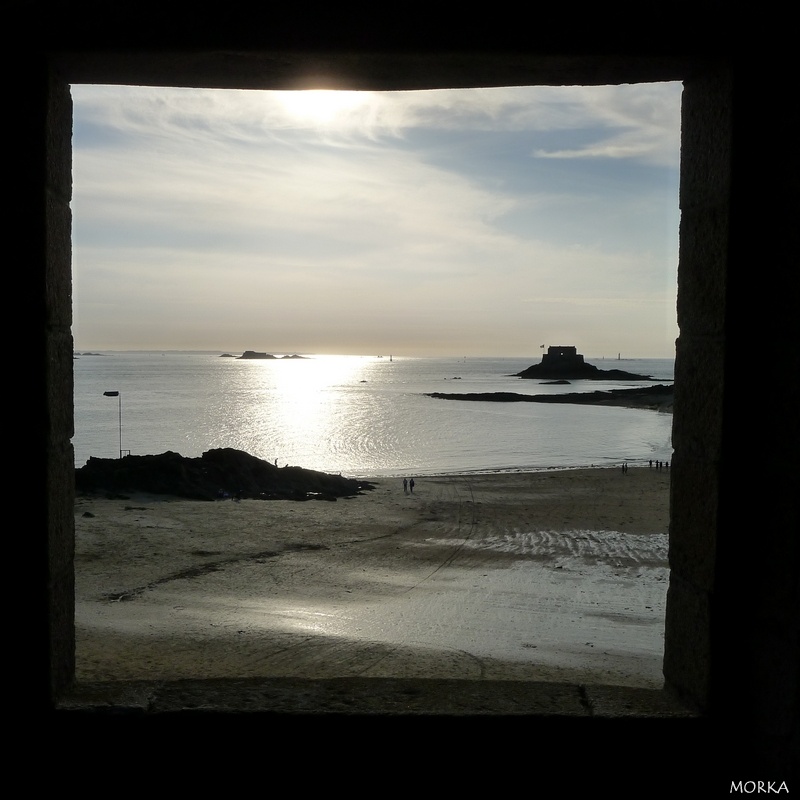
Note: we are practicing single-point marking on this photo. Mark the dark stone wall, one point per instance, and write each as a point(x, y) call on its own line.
point(731, 644)
point(59, 482)
point(699, 380)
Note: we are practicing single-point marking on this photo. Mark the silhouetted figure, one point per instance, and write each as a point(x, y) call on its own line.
point(405, 485)
point(411, 485)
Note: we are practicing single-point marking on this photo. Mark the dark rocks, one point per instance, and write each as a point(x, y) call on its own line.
point(491, 397)
point(217, 473)
point(658, 397)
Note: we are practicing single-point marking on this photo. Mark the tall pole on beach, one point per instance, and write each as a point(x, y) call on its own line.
point(119, 395)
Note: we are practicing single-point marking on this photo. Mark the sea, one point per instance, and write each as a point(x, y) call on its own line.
point(359, 416)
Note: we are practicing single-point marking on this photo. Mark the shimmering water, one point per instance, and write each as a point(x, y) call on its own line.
point(361, 416)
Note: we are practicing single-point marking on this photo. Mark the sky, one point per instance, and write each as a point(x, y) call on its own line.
point(470, 222)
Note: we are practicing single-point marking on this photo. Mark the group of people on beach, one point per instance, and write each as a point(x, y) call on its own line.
point(659, 465)
point(408, 485)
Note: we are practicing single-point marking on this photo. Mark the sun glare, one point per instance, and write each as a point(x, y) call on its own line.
point(301, 389)
point(321, 106)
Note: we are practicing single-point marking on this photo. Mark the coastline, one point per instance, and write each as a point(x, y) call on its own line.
point(550, 575)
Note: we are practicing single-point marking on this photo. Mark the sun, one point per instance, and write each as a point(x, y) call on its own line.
point(321, 106)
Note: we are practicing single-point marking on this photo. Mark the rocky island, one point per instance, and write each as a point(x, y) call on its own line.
point(219, 473)
point(565, 363)
point(254, 354)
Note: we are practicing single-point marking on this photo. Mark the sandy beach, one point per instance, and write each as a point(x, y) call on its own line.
point(553, 576)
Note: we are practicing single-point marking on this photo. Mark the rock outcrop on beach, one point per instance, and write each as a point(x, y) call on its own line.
point(565, 363)
point(216, 474)
point(657, 398)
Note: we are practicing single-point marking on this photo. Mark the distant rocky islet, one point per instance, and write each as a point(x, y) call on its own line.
point(564, 363)
point(254, 354)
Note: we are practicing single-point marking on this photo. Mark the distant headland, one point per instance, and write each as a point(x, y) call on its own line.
point(565, 363)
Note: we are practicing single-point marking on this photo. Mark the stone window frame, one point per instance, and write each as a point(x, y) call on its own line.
point(704, 202)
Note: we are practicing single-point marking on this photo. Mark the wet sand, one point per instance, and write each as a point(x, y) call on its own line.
point(554, 576)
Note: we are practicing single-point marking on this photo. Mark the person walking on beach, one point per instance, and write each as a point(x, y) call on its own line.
point(411, 485)
point(405, 485)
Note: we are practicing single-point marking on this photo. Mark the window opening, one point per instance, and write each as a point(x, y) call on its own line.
point(437, 236)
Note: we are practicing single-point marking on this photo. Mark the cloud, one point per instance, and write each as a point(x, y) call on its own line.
point(646, 113)
point(311, 217)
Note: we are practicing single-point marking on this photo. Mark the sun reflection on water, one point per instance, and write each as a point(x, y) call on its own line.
point(301, 397)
